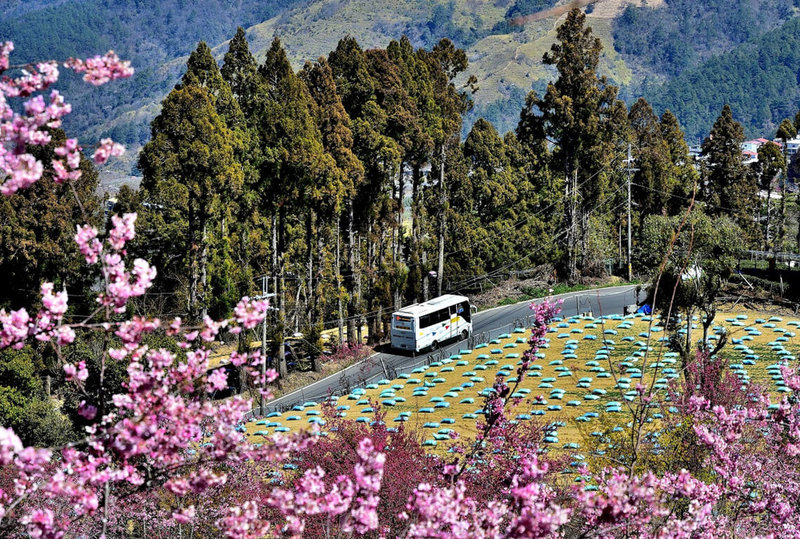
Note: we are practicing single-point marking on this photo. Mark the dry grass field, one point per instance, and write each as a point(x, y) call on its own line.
point(579, 387)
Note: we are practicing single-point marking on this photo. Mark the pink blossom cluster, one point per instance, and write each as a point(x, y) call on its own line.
point(17, 326)
point(101, 69)
point(249, 313)
point(107, 149)
point(353, 501)
point(20, 130)
point(121, 283)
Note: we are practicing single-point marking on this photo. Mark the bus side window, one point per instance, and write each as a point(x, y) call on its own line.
point(444, 315)
point(424, 321)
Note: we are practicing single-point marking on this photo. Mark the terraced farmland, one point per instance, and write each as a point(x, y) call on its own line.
point(579, 387)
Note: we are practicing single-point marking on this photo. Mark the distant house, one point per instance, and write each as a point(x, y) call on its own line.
point(792, 145)
point(750, 147)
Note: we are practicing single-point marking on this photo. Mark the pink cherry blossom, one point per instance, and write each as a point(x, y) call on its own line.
point(107, 149)
point(101, 69)
point(6, 49)
point(88, 244)
point(249, 313)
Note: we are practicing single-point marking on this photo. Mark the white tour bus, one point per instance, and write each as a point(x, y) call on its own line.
point(429, 324)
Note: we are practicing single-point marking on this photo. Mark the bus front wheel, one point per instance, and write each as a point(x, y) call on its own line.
point(464, 335)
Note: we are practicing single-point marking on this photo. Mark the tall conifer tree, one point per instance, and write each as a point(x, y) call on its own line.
point(571, 113)
point(294, 164)
point(187, 165)
point(728, 187)
point(337, 139)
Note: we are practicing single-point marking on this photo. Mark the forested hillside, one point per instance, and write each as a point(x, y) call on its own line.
point(759, 80)
point(149, 33)
point(664, 41)
point(663, 50)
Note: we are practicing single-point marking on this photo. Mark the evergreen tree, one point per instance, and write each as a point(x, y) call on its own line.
point(227, 281)
point(684, 175)
point(187, 166)
point(337, 138)
point(353, 81)
point(770, 164)
point(240, 71)
point(202, 70)
point(652, 182)
point(495, 194)
point(294, 169)
point(728, 188)
point(375, 205)
point(250, 236)
point(571, 113)
point(37, 229)
point(445, 62)
point(25, 405)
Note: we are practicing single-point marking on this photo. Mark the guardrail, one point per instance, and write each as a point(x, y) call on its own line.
point(347, 382)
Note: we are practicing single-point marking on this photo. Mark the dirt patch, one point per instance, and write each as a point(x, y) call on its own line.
point(535, 283)
point(611, 9)
point(539, 278)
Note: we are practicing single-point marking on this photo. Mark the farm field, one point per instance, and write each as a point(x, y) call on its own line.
point(578, 388)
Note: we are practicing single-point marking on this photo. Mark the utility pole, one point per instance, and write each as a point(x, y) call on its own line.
point(572, 230)
point(630, 269)
point(264, 295)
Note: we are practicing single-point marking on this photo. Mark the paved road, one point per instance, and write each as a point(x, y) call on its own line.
point(485, 325)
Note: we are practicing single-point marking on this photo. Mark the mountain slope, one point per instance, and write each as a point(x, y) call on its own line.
point(149, 33)
point(658, 48)
point(759, 80)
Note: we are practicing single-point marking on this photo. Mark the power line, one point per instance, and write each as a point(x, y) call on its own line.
point(463, 284)
point(673, 195)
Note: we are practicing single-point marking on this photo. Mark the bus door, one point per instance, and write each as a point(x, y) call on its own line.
point(453, 323)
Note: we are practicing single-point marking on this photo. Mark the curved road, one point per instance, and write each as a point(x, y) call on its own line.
point(486, 325)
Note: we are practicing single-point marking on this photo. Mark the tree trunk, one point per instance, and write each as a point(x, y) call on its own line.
point(425, 275)
point(311, 296)
point(442, 226)
point(353, 279)
point(193, 265)
point(798, 223)
point(769, 208)
point(310, 303)
point(204, 272)
point(339, 281)
point(572, 262)
point(360, 294)
point(781, 235)
point(399, 236)
point(281, 291)
point(416, 175)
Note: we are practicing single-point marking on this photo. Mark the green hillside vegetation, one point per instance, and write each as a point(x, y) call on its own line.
point(579, 386)
point(643, 48)
point(664, 41)
point(148, 33)
point(759, 81)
